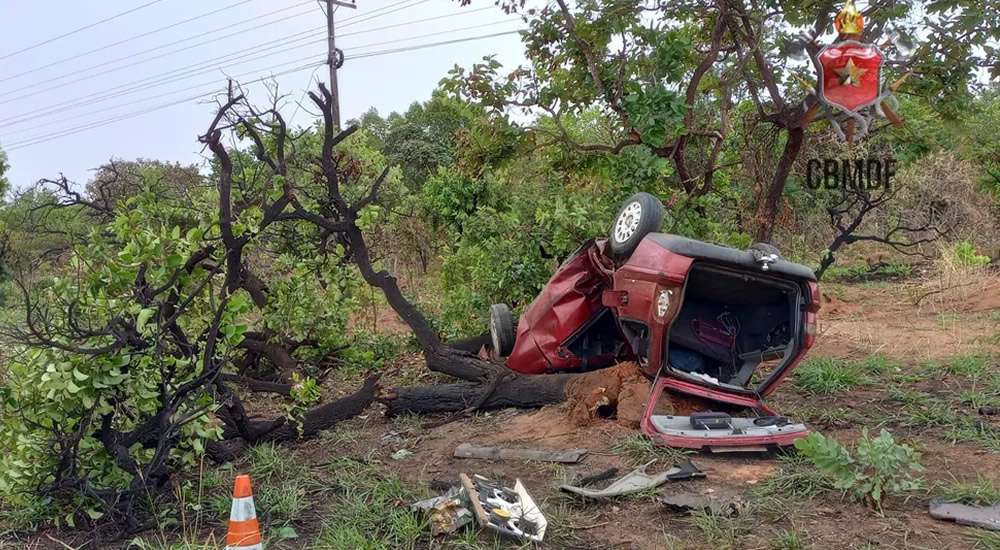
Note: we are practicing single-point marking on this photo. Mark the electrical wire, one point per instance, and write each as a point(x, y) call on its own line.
point(113, 44)
point(197, 69)
point(369, 16)
point(161, 79)
point(172, 92)
point(134, 63)
point(48, 137)
point(33, 117)
point(74, 31)
point(55, 135)
point(431, 45)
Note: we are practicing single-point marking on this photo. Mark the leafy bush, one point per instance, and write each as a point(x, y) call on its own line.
point(878, 467)
point(965, 254)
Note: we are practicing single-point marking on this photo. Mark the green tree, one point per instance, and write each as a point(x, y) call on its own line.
point(668, 77)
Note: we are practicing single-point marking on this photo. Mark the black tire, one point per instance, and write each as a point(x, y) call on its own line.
point(766, 249)
point(641, 215)
point(502, 333)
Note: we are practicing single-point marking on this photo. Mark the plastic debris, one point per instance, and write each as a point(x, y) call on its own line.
point(637, 481)
point(447, 512)
point(984, 517)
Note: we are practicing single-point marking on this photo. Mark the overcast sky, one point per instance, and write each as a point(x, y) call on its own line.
point(52, 118)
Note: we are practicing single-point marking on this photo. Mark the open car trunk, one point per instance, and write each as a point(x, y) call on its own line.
point(736, 334)
point(734, 329)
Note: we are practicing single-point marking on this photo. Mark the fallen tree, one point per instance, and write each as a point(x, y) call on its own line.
point(162, 314)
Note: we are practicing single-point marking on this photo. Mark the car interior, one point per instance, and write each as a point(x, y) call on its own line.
point(730, 322)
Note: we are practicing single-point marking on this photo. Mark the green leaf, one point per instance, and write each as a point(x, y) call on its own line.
point(94, 514)
point(79, 375)
point(176, 233)
point(287, 532)
point(143, 317)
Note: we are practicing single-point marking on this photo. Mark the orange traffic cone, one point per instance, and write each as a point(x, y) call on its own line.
point(244, 531)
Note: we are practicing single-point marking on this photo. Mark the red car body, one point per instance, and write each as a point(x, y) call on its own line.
point(596, 311)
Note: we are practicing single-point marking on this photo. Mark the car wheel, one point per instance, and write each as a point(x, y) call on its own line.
point(766, 249)
point(641, 215)
point(501, 329)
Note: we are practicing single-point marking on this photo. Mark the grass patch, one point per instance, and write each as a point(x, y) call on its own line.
point(366, 513)
point(796, 480)
point(823, 415)
point(640, 450)
point(973, 366)
point(972, 430)
point(787, 540)
point(826, 375)
point(979, 492)
point(722, 531)
point(984, 540)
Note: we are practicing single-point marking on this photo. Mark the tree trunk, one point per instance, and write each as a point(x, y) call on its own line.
point(519, 391)
point(768, 208)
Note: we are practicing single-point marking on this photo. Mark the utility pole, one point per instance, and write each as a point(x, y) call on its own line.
point(332, 58)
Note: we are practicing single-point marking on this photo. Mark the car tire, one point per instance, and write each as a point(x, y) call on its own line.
point(766, 249)
point(641, 215)
point(502, 334)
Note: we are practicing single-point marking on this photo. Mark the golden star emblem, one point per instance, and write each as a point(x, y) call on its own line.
point(850, 73)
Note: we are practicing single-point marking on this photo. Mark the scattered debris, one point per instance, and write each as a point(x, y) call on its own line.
point(587, 481)
point(401, 454)
point(984, 517)
point(447, 512)
point(638, 480)
point(689, 502)
point(989, 411)
point(508, 512)
point(468, 450)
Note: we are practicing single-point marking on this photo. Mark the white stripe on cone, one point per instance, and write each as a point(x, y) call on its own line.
point(243, 509)
point(257, 546)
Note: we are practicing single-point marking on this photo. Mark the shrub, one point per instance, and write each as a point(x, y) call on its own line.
point(965, 254)
point(877, 468)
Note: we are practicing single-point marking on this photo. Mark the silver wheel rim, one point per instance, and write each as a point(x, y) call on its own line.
point(628, 222)
point(495, 334)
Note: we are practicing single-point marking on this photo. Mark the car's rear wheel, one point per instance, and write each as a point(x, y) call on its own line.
point(501, 329)
point(641, 215)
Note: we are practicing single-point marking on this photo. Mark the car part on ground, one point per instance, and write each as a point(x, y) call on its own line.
point(679, 431)
point(984, 517)
point(508, 512)
point(501, 329)
point(566, 456)
point(641, 215)
point(637, 481)
point(717, 505)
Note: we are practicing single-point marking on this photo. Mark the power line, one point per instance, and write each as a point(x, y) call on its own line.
point(161, 79)
point(74, 31)
point(438, 33)
point(369, 16)
point(197, 69)
point(164, 94)
point(134, 63)
point(431, 45)
point(48, 137)
point(33, 117)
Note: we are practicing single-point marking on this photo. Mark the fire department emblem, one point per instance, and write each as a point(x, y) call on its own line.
point(849, 91)
point(849, 75)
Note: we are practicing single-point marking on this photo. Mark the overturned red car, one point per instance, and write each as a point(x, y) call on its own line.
point(707, 320)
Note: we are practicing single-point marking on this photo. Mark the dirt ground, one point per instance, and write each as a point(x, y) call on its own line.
point(863, 321)
point(868, 320)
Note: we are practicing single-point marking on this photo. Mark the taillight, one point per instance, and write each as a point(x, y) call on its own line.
point(811, 310)
point(810, 329)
